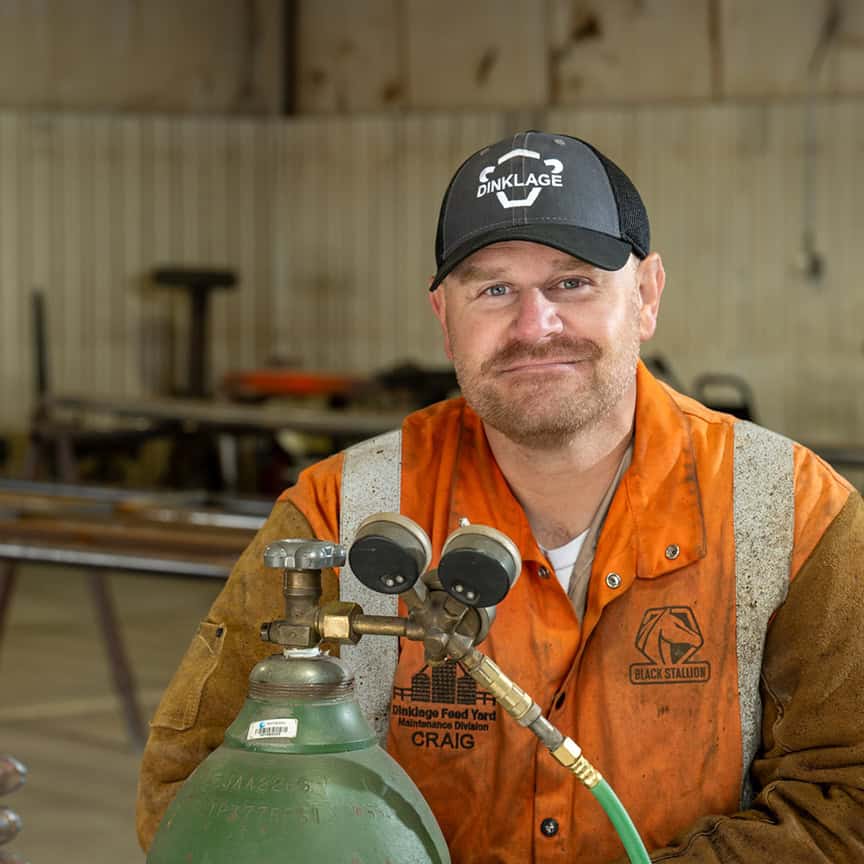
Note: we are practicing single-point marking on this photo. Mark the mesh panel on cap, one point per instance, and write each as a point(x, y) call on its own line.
point(632, 216)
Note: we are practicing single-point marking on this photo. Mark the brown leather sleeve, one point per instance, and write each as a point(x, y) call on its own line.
point(209, 687)
point(810, 768)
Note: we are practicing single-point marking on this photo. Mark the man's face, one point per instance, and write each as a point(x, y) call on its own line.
point(545, 345)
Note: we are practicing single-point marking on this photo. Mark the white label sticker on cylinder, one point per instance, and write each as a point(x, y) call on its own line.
point(284, 727)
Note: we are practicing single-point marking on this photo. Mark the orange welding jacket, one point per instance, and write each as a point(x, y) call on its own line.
point(664, 730)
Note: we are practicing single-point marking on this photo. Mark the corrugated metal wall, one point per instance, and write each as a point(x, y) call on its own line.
point(330, 223)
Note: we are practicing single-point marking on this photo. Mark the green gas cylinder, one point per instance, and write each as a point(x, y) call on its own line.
point(300, 777)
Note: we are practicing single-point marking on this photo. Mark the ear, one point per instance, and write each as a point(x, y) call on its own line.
point(651, 279)
point(439, 306)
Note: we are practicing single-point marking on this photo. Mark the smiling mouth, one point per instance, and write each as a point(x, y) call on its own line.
point(543, 365)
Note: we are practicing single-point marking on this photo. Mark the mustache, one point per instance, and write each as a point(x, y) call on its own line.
point(563, 348)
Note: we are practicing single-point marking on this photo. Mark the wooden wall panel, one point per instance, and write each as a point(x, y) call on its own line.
point(781, 48)
point(228, 58)
point(196, 56)
point(625, 51)
point(486, 53)
point(350, 56)
point(330, 223)
point(413, 54)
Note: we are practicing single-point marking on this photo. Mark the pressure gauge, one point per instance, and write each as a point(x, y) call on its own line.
point(479, 565)
point(389, 553)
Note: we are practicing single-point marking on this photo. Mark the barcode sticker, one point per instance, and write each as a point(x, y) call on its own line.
point(284, 727)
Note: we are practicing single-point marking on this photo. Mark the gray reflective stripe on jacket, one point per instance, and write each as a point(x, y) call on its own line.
point(371, 483)
point(764, 514)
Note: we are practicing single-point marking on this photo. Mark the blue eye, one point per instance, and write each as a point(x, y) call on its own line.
point(570, 284)
point(496, 290)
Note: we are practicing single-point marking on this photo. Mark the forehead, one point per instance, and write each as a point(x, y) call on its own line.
point(514, 255)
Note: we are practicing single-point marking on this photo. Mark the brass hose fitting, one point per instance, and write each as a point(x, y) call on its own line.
point(512, 698)
point(526, 712)
point(569, 754)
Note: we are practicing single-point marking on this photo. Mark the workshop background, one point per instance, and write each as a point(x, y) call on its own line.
point(304, 145)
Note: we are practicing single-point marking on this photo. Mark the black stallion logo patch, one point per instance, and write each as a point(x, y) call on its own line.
point(669, 638)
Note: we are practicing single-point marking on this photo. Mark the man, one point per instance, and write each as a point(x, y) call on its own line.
point(689, 605)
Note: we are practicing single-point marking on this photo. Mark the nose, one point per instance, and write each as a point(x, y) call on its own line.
point(536, 318)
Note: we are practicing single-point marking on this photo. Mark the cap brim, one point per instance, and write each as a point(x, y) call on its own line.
point(601, 250)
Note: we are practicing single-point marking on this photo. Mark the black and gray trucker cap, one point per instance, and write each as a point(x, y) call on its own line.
point(550, 189)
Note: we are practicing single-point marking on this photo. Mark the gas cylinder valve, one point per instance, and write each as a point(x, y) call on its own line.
point(304, 555)
point(307, 621)
point(449, 609)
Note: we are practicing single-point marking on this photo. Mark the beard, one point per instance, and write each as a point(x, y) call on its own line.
point(545, 412)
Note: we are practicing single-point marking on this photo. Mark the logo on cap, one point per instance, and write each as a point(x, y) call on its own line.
point(535, 182)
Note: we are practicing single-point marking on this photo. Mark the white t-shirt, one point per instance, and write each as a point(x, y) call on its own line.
point(564, 557)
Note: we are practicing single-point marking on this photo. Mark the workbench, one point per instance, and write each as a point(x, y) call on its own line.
point(64, 422)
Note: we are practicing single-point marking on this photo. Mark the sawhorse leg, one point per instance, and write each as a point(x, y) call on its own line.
point(7, 589)
point(121, 670)
point(103, 603)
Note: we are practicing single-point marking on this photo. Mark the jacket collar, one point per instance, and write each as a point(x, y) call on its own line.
point(657, 505)
point(662, 486)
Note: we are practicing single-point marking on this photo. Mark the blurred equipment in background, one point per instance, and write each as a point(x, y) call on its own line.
point(406, 386)
point(418, 386)
point(93, 438)
point(722, 391)
point(12, 777)
point(732, 394)
point(198, 284)
point(170, 534)
point(389, 395)
point(228, 422)
point(260, 384)
point(56, 448)
point(660, 368)
point(195, 457)
point(279, 457)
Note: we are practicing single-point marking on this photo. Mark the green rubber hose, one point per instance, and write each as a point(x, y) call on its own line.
point(564, 750)
point(621, 821)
